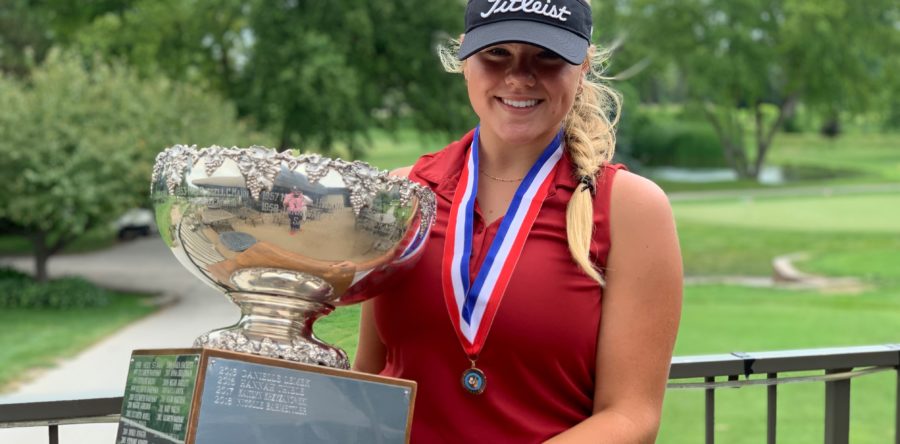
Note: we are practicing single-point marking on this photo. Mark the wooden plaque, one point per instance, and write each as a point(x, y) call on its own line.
point(208, 396)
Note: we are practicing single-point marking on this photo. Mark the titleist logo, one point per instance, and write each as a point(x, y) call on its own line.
point(529, 6)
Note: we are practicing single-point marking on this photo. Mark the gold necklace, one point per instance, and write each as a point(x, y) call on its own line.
point(500, 179)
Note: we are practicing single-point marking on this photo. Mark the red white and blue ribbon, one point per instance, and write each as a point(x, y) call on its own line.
point(472, 306)
point(415, 244)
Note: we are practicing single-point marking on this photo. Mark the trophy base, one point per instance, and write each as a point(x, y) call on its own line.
point(303, 350)
point(278, 327)
point(206, 396)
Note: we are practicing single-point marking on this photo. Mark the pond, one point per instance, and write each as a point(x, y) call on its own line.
point(770, 175)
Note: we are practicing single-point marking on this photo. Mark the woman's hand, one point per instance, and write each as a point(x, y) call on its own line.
point(401, 172)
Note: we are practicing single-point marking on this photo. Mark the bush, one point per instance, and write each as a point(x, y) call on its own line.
point(695, 144)
point(11, 274)
point(18, 290)
point(663, 142)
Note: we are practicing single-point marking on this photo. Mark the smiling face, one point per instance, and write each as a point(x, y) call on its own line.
point(521, 93)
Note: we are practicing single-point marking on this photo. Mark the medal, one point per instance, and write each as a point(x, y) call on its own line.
point(472, 304)
point(473, 380)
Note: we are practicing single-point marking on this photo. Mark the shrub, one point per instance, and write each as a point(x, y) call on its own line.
point(657, 142)
point(20, 291)
point(11, 274)
point(695, 144)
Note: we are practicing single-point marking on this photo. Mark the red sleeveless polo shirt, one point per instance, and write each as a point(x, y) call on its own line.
point(539, 357)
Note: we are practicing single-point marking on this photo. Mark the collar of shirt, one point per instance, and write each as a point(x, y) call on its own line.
point(442, 169)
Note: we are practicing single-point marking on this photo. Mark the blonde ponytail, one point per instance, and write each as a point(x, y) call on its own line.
point(590, 141)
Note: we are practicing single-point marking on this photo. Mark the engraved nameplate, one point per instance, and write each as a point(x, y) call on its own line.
point(156, 406)
point(251, 402)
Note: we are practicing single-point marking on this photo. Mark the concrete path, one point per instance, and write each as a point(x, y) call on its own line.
point(143, 265)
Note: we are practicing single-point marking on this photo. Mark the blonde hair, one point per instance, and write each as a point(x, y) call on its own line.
point(590, 140)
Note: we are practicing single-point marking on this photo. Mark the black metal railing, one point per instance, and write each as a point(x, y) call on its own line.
point(838, 366)
point(52, 414)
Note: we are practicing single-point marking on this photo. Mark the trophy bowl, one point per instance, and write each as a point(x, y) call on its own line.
point(287, 238)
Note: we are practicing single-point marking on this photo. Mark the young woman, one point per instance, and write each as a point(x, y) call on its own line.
point(546, 304)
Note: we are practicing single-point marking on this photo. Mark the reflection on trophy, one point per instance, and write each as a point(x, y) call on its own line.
point(286, 237)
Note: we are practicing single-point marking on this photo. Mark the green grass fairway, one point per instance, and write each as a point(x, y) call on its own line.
point(710, 249)
point(857, 213)
point(881, 266)
point(724, 319)
point(35, 339)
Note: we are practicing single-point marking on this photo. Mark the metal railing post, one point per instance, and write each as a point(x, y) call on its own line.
point(710, 412)
point(54, 434)
point(897, 410)
point(837, 409)
point(772, 409)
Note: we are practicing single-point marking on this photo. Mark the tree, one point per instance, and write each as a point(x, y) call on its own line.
point(198, 42)
point(760, 58)
point(323, 72)
point(314, 74)
point(300, 79)
point(23, 36)
point(77, 144)
point(29, 28)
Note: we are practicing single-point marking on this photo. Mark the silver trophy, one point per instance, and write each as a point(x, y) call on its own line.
point(287, 238)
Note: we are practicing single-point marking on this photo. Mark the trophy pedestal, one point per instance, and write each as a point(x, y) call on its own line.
point(210, 396)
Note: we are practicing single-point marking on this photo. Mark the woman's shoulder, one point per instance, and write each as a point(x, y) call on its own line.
point(637, 200)
point(634, 184)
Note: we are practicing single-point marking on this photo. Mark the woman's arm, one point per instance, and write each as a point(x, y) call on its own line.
point(370, 351)
point(641, 309)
